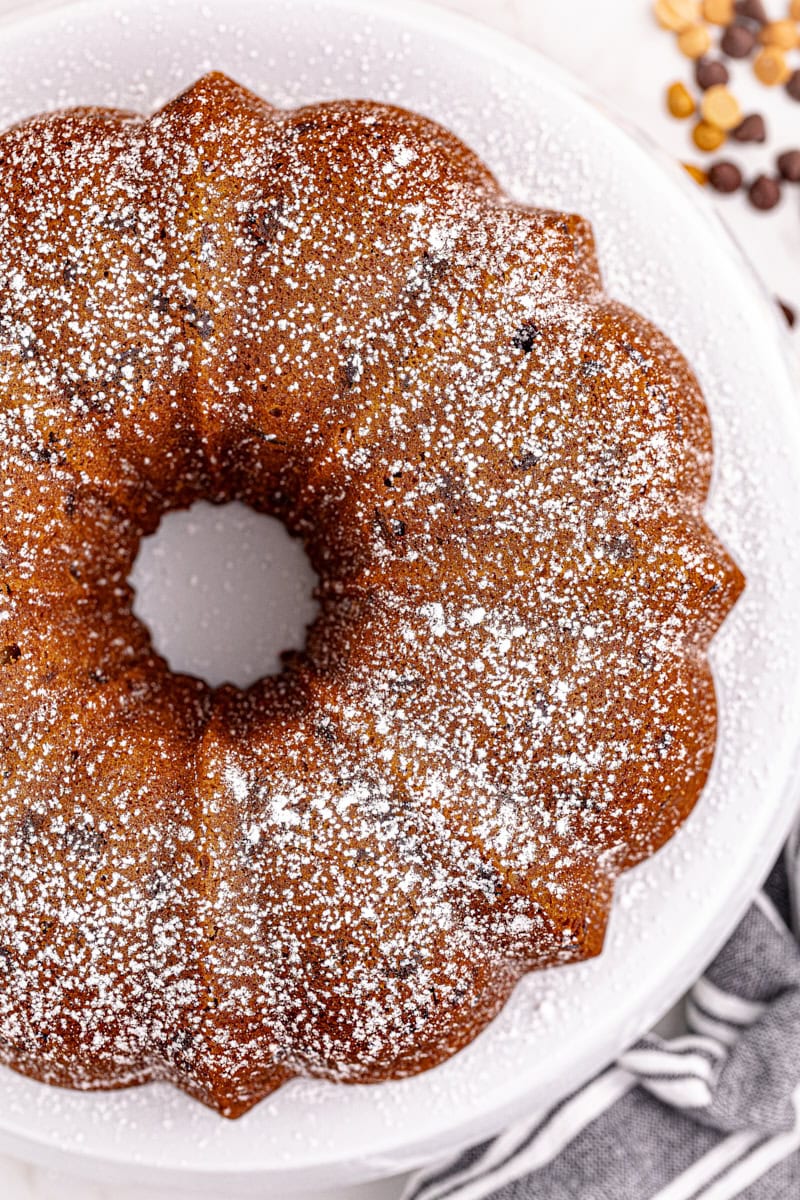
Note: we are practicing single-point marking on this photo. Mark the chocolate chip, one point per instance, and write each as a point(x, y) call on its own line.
point(199, 319)
point(84, 840)
point(789, 165)
point(388, 529)
point(434, 267)
point(788, 312)
point(709, 72)
point(591, 368)
point(352, 369)
point(263, 225)
point(752, 10)
point(10, 653)
point(621, 548)
point(738, 41)
point(526, 460)
point(725, 177)
point(764, 193)
point(752, 129)
point(525, 336)
point(159, 302)
point(30, 826)
point(124, 221)
point(793, 85)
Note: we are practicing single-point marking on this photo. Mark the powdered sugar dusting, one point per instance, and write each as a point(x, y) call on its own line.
point(336, 316)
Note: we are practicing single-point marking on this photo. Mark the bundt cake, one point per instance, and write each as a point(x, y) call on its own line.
point(336, 316)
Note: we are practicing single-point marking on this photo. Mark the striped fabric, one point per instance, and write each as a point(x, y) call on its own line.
point(711, 1115)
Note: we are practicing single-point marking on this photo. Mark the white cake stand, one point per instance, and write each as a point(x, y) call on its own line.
point(665, 254)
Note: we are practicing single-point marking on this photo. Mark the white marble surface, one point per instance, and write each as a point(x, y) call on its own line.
point(615, 47)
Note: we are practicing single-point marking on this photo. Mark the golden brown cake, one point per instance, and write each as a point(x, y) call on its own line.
point(336, 316)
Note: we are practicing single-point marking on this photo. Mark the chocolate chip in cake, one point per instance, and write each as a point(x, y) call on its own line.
point(525, 336)
point(353, 369)
point(764, 193)
point(709, 72)
point(738, 41)
point(752, 129)
point(198, 319)
point(789, 165)
point(793, 85)
point(725, 177)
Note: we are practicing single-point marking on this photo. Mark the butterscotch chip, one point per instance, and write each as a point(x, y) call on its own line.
point(779, 33)
point(771, 66)
point(719, 12)
point(695, 41)
point(707, 137)
point(677, 15)
point(697, 173)
point(794, 10)
point(719, 107)
point(680, 102)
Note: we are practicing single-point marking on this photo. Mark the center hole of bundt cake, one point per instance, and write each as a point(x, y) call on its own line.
point(224, 590)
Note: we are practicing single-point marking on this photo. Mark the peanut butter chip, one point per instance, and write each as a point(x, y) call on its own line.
point(695, 41)
point(680, 101)
point(721, 109)
point(677, 15)
point(771, 67)
point(707, 137)
point(719, 12)
point(779, 33)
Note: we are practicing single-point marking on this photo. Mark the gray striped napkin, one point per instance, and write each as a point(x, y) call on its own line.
point(711, 1115)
